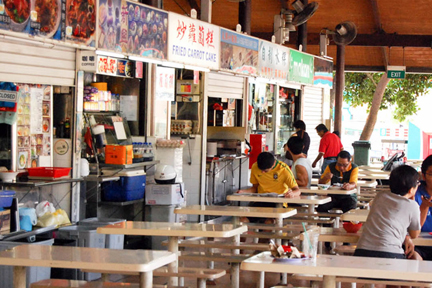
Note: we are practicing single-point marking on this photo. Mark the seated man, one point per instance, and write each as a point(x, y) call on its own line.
point(269, 175)
point(345, 174)
point(302, 167)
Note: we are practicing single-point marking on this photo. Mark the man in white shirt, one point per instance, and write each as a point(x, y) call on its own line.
point(302, 167)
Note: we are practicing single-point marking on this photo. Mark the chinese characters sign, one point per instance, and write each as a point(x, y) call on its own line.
point(113, 66)
point(301, 67)
point(239, 53)
point(193, 42)
point(164, 84)
point(273, 61)
point(323, 73)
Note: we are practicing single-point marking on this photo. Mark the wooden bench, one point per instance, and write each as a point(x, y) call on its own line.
point(62, 283)
point(201, 274)
point(315, 279)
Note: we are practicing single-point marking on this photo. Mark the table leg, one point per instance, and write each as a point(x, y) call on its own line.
point(146, 279)
point(19, 277)
point(329, 281)
point(173, 266)
point(261, 279)
point(279, 224)
point(235, 267)
point(311, 208)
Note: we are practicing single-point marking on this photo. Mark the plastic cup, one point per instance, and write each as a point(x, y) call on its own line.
point(310, 246)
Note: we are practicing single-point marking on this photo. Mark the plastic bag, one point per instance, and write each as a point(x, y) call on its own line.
point(59, 217)
point(44, 207)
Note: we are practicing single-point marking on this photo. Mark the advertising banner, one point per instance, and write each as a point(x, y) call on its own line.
point(239, 53)
point(301, 67)
point(273, 61)
point(81, 22)
point(109, 25)
point(323, 73)
point(115, 67)
point(193, 42)
point(45, 18)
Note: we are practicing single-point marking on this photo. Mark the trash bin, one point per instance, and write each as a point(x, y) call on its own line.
point(111, 241)
point(34, 274)
point(361, 152)
point(86, 236)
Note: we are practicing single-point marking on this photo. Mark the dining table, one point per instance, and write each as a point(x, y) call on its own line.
point(175, 230)
point(331, 266)
point(113, 260)
point(309, 200)
point(330, 191)
point(355, 215)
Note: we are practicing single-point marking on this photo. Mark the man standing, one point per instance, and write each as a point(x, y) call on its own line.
point(345, 174)
point(330, 146)
point(302, 168)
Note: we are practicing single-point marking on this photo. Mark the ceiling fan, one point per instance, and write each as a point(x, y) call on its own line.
point(343, 34)
point(289, 18)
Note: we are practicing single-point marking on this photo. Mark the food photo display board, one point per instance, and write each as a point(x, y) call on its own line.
point(43, 18)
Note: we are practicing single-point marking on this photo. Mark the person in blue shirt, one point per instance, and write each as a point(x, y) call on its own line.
point(423, 197)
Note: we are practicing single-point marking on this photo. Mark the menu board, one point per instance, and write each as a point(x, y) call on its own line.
point(81, 21)
point(239, 53)
point(301, 67)
point(193, 42)
point(33, 124)
point(43, 18)
point(146, 33)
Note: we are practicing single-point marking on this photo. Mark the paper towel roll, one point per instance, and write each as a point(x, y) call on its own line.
point(211, 148)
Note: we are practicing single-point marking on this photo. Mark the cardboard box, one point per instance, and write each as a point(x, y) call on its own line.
point(4, 221)
point(118, 154)
point(165, 194)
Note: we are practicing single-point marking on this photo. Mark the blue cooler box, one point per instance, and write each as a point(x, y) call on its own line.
point(130, 186)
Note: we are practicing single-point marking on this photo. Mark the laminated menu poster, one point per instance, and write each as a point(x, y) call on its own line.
point(110, 20)
point(81, 22)
point(146, 33)
point(43, 18)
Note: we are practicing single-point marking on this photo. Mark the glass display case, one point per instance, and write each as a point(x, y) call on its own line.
point(287, 114)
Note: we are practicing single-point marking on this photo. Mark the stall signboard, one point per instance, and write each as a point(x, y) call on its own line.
point(146, 31)
point(323, 73)
point(301, 67)
point(193, 42)
point(45, 18)
point(80, 26)
point(239, 53)
point(110, 24)
point(164, 84)
point(87, 61)
point(273, 61)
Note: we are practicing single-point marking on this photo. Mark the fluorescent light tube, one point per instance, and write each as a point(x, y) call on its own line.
point(190, 67)
point(172, 64)
point(110, 54)
point(144, 59)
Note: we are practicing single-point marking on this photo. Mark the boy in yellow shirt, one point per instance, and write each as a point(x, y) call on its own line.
point(269, 175)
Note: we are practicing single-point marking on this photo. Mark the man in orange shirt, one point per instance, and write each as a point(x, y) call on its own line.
point(330, 146)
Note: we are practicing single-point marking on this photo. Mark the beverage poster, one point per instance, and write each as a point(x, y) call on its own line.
point(147, 31)
point(110, 19)
point(239, 53)
point(43, 18)
point(81, 22)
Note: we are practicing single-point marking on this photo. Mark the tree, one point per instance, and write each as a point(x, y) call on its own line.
point(379, 92)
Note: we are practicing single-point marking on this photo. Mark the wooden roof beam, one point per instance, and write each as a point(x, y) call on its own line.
point(371, 40)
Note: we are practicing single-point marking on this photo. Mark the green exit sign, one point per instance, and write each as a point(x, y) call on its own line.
point(396, 72)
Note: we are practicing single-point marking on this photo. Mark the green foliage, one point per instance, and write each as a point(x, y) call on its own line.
point(401, 94)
